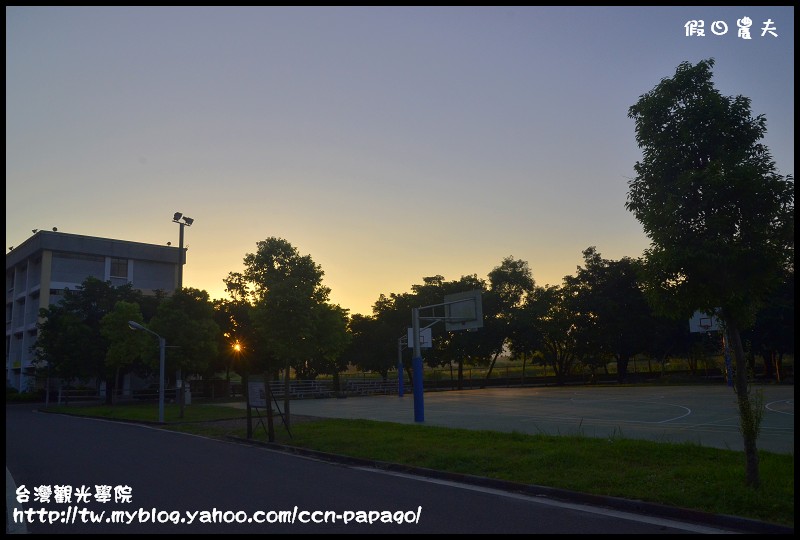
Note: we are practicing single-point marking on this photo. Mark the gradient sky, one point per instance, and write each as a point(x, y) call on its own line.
point(388, 143)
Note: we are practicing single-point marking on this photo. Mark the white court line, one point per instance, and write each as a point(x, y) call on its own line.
point(767, 406)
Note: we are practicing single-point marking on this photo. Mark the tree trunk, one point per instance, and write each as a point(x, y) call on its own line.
point(246, 392)
point(622, 367)
point(749, 413)
point(110, 384)
point(491, 367)
point(286, 396)
point(270, 400)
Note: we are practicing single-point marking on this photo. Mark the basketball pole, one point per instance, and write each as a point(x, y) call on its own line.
point(400, 383)
point(416, 365)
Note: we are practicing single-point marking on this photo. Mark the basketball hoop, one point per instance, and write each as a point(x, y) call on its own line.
point(703, 322)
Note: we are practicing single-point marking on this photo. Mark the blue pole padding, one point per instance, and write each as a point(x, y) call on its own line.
point(419, 406)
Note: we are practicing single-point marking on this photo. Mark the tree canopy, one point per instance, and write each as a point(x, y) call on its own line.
point(719, 216)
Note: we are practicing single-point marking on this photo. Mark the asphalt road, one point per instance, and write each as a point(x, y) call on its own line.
point(168, 476)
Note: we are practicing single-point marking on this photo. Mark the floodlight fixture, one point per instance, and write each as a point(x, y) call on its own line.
point(188, 220)
point(136, 326)
point(177, 216)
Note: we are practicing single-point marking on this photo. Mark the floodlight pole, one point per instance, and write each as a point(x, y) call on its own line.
point(162, 345)
point(182, 221)
point(182, 255)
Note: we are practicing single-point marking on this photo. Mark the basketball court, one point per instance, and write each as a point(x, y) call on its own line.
point(699, 414)
point(705, 415)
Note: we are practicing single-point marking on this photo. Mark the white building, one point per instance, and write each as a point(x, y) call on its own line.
point(38, 271)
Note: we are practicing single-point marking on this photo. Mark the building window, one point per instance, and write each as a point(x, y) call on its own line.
point(119, 268)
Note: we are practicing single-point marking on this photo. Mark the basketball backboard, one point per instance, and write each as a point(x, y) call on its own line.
point(703, 322)
point(463, 311)
point(425, 338)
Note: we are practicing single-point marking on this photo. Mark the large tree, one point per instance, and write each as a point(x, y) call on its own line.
point(719, 216)
point(372, 345)
point(614, 313)
point(329, 340)
point(509, 285)
point(124, 347)
point(548, 322)
point(69, 339)
point(285, 289)
point(186, 320)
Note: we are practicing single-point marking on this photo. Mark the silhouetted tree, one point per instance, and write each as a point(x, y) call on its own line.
point(719, 217)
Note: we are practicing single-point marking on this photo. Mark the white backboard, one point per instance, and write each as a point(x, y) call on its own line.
point(703, 322)
point(425, 338)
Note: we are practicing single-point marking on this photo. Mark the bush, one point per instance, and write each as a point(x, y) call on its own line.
point(15, 396)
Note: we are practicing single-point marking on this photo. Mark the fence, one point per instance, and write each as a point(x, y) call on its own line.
point(324, 388)
point(370, 383)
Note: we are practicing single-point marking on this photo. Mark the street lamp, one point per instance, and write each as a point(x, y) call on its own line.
point(162, 344)
point(237, 351)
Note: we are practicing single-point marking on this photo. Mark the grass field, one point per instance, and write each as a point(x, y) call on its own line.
point(680, 475)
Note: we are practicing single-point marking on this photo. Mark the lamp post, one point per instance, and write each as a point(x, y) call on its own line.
point(237, 351)
point(162, 344)
point(182, 221)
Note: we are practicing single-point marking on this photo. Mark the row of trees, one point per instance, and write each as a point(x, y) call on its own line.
point(596, 317)
point(279, 315)
point(86, 334)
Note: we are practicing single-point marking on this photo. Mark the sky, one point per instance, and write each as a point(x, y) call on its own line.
point(388, 143)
